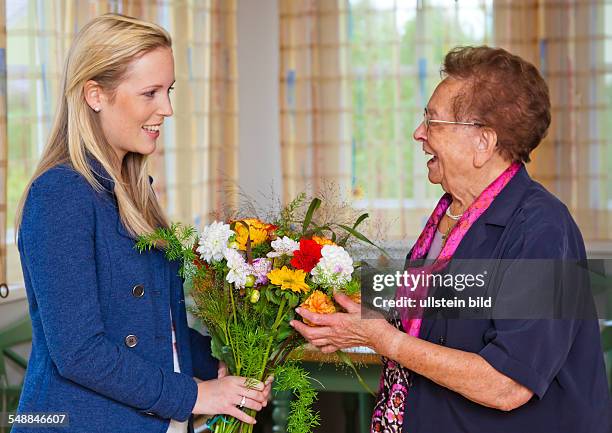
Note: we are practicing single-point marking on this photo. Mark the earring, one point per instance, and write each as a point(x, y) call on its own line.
point(97, 109)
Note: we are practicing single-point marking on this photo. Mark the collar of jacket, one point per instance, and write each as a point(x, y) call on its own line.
point(502, 209)
point(490, 226)
point(102, 175)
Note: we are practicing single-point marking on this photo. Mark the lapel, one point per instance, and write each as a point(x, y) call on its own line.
point(485, 238)
point(165, 275)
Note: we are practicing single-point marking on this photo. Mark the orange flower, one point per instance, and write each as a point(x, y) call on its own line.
point(322, 241)
point(318, 302)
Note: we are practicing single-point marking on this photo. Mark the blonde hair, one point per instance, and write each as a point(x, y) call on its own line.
point(102, 51)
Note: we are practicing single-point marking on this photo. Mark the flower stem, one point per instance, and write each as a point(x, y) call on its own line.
point(233, 305)
point(279, 317)
point(280, 314)
point(236, 358)
point(347, 360)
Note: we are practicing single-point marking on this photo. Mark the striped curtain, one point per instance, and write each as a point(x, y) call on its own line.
point(315, 115)
point(195, 165)
point(379, 61)
point(355, 76)
point(571, 43)
point(3, 144)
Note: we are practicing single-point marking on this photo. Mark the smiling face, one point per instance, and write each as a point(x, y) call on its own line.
point(452, 146)
point(132, 118)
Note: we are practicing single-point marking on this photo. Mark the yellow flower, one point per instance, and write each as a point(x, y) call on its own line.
point(257, 230)
point(318, 302)
point(322, 241)
point(288, 279)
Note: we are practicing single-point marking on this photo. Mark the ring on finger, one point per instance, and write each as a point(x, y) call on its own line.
point(242, 402)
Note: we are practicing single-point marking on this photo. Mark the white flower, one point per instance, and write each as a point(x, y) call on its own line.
point(238, 268)
point(213, 241)
point(283, 247)
point(334, 269)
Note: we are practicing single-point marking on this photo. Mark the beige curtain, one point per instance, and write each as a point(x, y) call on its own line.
point(315, 116)
point(200, 158)
point(355, 76)
point(3, 143)
point(566, 40)
point(222, 149)
point(195, 165)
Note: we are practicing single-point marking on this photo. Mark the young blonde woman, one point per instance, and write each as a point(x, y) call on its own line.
point(111, 347)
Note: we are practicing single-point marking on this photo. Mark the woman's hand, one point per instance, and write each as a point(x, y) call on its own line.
point(222, 370)
point(223, 396)
point(340, 330)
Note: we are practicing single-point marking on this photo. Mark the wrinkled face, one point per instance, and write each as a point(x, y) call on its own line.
point(131, 121)
point(451, 146)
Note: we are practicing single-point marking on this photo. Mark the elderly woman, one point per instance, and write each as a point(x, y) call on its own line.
point(480, 126)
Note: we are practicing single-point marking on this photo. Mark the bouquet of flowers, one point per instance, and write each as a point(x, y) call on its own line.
point(247, 276)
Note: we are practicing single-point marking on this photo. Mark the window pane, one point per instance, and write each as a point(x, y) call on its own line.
point(396, 48)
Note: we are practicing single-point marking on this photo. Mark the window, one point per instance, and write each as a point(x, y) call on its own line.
point(396, 49)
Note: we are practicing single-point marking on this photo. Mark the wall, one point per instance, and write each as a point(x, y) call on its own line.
point(258, 60)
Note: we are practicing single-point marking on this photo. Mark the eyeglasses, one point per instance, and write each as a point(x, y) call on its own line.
point(427, 121)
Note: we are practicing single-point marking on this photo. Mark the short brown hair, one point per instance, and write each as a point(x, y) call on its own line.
point(503, 92)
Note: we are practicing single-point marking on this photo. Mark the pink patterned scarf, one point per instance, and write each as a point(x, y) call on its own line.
point(388, 414)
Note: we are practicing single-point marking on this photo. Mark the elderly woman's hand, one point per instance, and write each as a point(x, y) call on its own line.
point(222, 370)
point(339, 330)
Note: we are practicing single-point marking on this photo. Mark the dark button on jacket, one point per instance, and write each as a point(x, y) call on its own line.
point(131, 341)
point(138, 291)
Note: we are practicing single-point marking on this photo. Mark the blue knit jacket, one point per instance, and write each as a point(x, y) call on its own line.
point(100, 310)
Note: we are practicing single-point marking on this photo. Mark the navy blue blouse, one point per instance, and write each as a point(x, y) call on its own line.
point(561, 361)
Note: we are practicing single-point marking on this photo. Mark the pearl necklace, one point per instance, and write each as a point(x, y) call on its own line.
point(451, 216)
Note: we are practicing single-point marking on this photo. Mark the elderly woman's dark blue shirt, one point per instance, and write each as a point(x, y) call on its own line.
point(561, 361)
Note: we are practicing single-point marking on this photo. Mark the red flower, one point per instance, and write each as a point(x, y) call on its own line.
point(307, 256)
